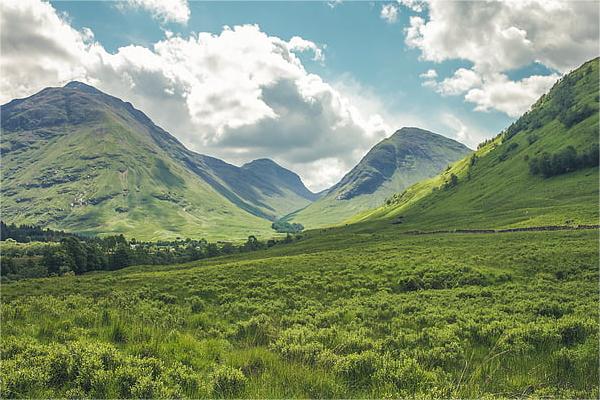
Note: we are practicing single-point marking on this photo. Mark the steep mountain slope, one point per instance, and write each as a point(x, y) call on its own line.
point(502, 184)
point(293, 194)
point(406, 157)
point(78, 159)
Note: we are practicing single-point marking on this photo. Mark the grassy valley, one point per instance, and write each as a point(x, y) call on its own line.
point(377, 308)
point(338, 314)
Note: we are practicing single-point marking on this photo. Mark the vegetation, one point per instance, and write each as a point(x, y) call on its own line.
point(349, 313)
point(286, 227)
point(63, 254)
point(566, 160)
point(30, 233)
point(498, 190)
point(408, 156)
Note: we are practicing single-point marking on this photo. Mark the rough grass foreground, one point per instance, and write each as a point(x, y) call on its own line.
point(371, 315)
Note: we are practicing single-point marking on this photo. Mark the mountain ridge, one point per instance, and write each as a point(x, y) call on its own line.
point(114, 134)
point(405, 157)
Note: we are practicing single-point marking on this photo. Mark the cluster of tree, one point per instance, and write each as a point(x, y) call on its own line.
point(566, 160)
point(78, 255)
point(451, 182)
point(286, 227)
point(31, 233)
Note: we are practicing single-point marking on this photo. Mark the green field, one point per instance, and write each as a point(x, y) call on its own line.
point(347, 313)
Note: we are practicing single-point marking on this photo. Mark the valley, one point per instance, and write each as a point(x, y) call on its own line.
point(133, 267)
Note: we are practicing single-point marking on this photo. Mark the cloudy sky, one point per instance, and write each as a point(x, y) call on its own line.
point(312, 85)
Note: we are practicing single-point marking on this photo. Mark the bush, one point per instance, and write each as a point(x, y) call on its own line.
point(196, 303)
point(257, 331)
point(357, 368)
point(228, 382)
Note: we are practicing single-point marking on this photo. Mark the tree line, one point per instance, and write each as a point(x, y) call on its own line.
point(57, 253)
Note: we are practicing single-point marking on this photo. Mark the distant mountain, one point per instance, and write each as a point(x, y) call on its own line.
point(75, 158)
point(542, 170)
point(406, 157)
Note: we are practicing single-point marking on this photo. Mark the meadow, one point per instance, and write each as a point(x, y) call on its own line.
point(342, 313)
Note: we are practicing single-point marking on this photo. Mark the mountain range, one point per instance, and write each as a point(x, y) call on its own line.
point(78, 159)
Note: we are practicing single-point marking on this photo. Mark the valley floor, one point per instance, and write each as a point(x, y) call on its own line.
point(339, 314)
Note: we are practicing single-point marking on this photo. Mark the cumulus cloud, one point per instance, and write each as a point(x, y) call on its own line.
point(389, 13)
point(298, 44)
point(462, 80)
point(430, 74)
point(497, 37)
point(38, 48)
point(511, 97)
point(177, 11)
point(240, 94)
point(414, 5)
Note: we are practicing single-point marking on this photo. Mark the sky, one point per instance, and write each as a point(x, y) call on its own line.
point(312, 85)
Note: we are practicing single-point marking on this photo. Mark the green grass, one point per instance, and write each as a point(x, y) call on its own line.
point(498, 190)
point(346, 312)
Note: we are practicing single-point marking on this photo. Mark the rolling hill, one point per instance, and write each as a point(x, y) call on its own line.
point(408, 156)
point(75, 158)
point(542, 170)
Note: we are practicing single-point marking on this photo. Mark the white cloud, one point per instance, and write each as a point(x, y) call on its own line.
point(462, 131)
point(497, 37)
point(389, 13)
point(177, 11)
point(510, 97)
point(298, 44)
point(430, 74)
point(239, 95)
point(334, 3)
point(38, 48)
point(462, 80)
point(414, 5)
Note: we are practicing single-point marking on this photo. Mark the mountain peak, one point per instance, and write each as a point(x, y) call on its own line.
point(262, 161)
point(83, 87)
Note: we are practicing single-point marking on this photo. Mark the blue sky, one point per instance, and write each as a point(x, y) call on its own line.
point(312, 85)
point(358, 43)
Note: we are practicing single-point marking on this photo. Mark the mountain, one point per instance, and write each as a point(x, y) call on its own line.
point(78, 159)
point(542, 170)
point(406, 157)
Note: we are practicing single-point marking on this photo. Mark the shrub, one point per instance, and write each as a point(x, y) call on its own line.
point(118, 334)
point(257, 330)
point(405, 374)
point(228, 382)
point(196, 303)
point(357, 368)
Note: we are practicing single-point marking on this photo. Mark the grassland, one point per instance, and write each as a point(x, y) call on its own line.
point(353, 312)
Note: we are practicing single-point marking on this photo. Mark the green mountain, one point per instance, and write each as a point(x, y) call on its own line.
point(406, 157)
point(542, 170)
point(75, 158)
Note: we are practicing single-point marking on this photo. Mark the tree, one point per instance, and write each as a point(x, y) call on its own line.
point(252, 243)
point(120, 258)
point(76, 252)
